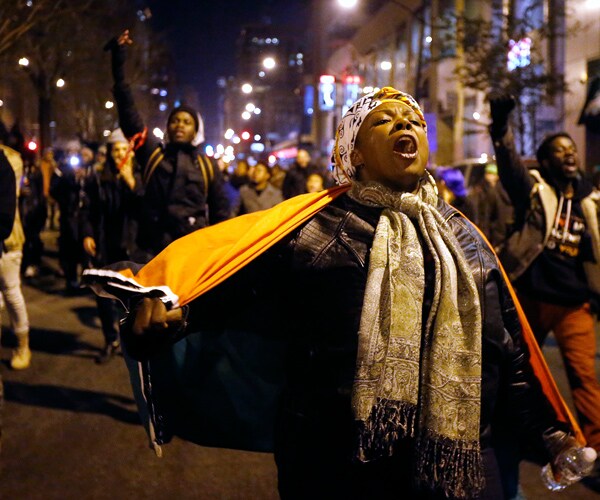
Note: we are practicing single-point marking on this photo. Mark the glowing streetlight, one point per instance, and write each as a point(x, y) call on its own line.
point(385, 65)
point(158, 133)
point(245, 135)
point(24, 62)
point(60, 83)
point(1, 103)
point(109, 104)
point(229, 133)
point(269, 63)
point(247, 88)
point(246, 115)
point(236, 140)
point(347, 4)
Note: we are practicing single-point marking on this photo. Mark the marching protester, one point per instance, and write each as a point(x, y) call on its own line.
point(10, 272)
point(106, 227)
point(180, 189)
point(413, 356)
point(553, 255)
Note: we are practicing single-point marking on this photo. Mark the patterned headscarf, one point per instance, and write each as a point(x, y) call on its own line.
point(348, 128)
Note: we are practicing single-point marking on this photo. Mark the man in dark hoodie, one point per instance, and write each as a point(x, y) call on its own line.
point(178, 188)
point(553, 256)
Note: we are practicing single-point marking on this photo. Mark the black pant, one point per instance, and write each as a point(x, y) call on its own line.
point(315, 460)
point(109, 313)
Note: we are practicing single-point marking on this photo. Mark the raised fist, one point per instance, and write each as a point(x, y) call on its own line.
point(501, 105)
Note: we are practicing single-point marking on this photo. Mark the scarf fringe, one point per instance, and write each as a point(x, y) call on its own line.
point(451, 466)
point(388, 423)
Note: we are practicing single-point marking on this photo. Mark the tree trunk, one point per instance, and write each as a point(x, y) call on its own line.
point(44, 119)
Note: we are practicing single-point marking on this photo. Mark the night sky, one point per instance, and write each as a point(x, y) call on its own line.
point(202, 35)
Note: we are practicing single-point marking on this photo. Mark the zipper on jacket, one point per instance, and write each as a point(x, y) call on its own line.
point(155, 430)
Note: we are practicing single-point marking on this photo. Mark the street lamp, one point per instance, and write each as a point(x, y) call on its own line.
point(60, 83)
point(109, 104)
point(24, 62)
point(347, 4)
point(246, 115)
point(247, 88)
point(269, 63)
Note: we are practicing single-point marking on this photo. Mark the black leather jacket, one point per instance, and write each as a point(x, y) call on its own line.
point(309, 289)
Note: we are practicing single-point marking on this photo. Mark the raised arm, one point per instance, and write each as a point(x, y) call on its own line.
point(514, 176)
point(130, 120)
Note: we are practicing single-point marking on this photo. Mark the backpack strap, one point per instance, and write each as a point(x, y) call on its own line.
point(155, 158)
point(208, 172)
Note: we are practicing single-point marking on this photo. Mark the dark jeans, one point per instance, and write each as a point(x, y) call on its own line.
point(109, 313)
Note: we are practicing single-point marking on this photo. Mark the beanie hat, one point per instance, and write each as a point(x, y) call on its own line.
point(349, 126)
point(454, 180)
point(198, 123)
point(117, 135)
point(491, 168)
point(187, 109)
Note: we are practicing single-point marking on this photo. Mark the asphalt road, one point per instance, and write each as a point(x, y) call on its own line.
point(70, 429)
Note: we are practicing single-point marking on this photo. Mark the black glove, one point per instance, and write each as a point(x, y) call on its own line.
point(501, 105)
point(119, 56)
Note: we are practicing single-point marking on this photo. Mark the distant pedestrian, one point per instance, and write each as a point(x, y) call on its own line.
point(295, 179)
point(451, 185)
point(259, 193)
point(106, 227)
point(10, 272)
point(314, 183)
point(67, 188)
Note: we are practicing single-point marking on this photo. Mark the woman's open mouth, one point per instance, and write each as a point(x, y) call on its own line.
point(406, 147)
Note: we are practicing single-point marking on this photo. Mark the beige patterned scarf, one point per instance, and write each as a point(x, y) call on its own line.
point(412, 379)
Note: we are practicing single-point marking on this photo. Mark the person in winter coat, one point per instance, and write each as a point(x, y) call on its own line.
point(179, 188)
point(412, 357)
point(553, 255)
point(294, 182)
point(259, 193)
point(106, 226)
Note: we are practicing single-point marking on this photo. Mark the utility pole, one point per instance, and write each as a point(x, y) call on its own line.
point(318, 11)
point(458, 128)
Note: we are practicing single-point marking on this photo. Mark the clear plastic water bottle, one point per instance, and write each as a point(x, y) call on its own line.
point(571, 465)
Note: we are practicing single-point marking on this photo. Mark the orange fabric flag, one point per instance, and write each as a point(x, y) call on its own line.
point(192, 265)
point(214, 253)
